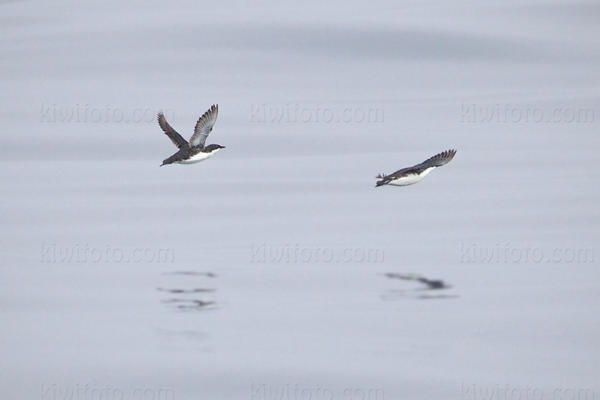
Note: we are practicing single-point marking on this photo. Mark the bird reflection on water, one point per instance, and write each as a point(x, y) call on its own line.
point(187, 299)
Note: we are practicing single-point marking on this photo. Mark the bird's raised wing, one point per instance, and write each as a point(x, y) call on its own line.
point(204, 126)
point(438, 160)
point(431, 283)
point(175, 137)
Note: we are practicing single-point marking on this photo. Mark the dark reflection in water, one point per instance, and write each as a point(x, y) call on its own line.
point(184, 340)
point(176, 291)
point(190, 304)
point(438, 296)
point(192, 273)
point(188, 298)
point(433, 287)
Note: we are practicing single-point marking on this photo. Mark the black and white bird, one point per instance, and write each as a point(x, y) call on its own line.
point(195, 150)
point(410, 175)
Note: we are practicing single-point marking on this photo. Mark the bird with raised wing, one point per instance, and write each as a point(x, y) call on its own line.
point(195, 150)
point(410, 175)
point(431, 283)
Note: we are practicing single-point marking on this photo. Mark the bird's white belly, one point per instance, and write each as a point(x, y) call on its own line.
point(410, 179)
point(196, 158)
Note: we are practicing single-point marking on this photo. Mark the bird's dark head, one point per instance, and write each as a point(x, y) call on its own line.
point(383, 180)
point(213, 147)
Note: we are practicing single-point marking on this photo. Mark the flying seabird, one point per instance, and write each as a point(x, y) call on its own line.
point(431, 283)
point(410, 175)
point(195, 150)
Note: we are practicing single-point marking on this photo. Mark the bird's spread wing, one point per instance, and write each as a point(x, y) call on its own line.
point(406, 277)
point(431, 283)
point(204, 126)
point(438, 160)
point(175, 137)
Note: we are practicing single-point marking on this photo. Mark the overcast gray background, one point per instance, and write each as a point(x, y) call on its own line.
point(512, 223)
